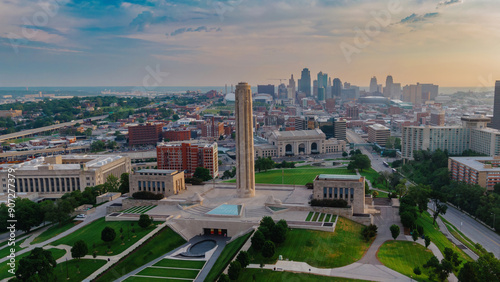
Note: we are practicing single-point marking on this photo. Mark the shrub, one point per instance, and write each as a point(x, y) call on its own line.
point(268, 249)
point(194, 181)
point(420, 230)
point(223, 278)
point(146, 195)
point(309, 185)
point(144, 221)
point(108, 234)
point(243, 258)
point(234, 270)
point(369, 231)
point(258, 240)
point(333, 203)
point(427, 240)
point(394, 231)
point(407, 219)
point(417, 271)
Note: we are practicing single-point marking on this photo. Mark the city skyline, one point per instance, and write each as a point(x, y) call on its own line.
point(74, 43)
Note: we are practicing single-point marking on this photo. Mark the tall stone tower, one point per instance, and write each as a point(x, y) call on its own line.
point(245, 171)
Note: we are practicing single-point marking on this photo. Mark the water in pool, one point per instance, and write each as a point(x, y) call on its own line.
point(226, 210)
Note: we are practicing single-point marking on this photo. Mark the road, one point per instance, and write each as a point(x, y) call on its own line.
point(377, 161)
point(474, 230)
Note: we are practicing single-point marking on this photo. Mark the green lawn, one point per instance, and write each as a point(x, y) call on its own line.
point(382, 194)
point(91, 233)
point(85, 267)
point(315, 217)
point(372, 175)
point(6, 251)
point(295, 176)
point(163, 242)
point(321, 217)
point(404, 256)
point(229, 252)
point(54, 231)
point(334, 217)
point(56, 254)
point(193, 264)
point(438, 238)
point(319, 248)
point(328, 216)
point(309, 216)
point(252, 274)
point(139, 209)
point(148, 279)
point(169, 272)
point(17, 141)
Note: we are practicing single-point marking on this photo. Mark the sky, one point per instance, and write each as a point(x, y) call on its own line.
point(453, 43)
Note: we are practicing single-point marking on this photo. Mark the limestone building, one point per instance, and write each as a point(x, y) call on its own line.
point(379, 134)
point(67, 173)
point(166, 182)
point(350, 188)
point(245, 170)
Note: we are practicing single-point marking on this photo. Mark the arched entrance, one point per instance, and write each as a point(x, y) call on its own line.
point(302, 148)
point(288, 150)
point(314, 148)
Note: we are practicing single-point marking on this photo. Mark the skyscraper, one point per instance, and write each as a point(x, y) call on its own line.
point(388, 87)
point(305, 82)
point(291, 84)
point(336, 88)
point(266, 89)
point(495, 122)
point(245, 171)
point(373, 85)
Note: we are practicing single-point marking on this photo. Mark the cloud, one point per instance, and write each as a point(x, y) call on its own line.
point(449, 2)
point(189, 29)
point(145, 19)
point(414, 18)
point(48, 30)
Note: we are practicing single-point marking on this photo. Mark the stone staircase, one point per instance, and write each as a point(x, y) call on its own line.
point(257, 212)
point(199, 210)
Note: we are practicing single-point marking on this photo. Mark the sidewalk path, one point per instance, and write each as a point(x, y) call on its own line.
point(32, 236)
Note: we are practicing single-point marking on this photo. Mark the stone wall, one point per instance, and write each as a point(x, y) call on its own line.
point(344, 212)
point(129, 203)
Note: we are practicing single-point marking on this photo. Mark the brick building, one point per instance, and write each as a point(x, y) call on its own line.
point(177, 135)
point(187, 156)
point(145, 134)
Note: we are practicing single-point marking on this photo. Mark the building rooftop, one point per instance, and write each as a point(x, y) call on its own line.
point(377, 126)
point(478, 163)
point(338, 177)
point(299, 133)
point(158, 171)
point(90, 161)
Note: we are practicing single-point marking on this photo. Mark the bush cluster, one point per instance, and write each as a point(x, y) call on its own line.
point(146, 195)
point(332, 203)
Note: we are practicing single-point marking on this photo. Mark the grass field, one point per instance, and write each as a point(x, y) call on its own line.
point(319, 248)
point(438, 238)
point(404, 256)
point(91, 233)
point(193, 264)
point(17, 141)
point(140, 209)
point(148, 279)
point(372, 175)
point(315, 217)
point(328, 216)
point(6, 251)
point(53, 231)
point(252, 274)
point(321, 217)
point(163, 242)
point(309, 216)
point(295, 176)
point(169, 272)
point(226, 256)
point(56, 254)
point(85, 267)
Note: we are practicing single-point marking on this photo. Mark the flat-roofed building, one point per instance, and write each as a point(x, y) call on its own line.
point(350, 188)
point(62, 174)
point(11, 113)
point(158, 181)
point(379, 134)
point(483, 171)
point(187, 156)
point(299, 142)
point(145, 134)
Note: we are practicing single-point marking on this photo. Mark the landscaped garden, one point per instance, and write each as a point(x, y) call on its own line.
point(4, 267)
point(77, 270)
point(163, 242)
point(226, 256)
point(318, 248)
point(295, 176)
point(54, 230)
point(139, 209)
point(404, 256)
point(91, 233)
point(320, 217)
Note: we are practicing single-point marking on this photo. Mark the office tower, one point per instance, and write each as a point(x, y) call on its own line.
point(429, 91)
point(187, 156)
point(282, 91)
point(388, 87)
point(352, 111)
point(340, 129)
point(291, 85)
point(322, 80)
point(321, 93)
point(379, 134)
point(496, 107)
point(413, 94)
point(245, 171)
point(437, 118)
point(315, 88)
point(396, 91)
point(328, 93)
point(305, 82)
point(336, 88)
point(266, 89)
point(145, 134)
point(373, 85)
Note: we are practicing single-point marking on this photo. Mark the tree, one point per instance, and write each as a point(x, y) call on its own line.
point(394, 231)
point(407, 219)
point(124, 183)
point(344, 154)
point(361, 162)
point(268, 249)
point(243, 258)
point(28, 214)
point(414, 235)
point(202, 173)
point(97, 146)
point(369, 231)
point(437, 270)
point(427, 241)
point(486, 268)
point(112, 184)
point(278, 234)
point(234, 270)
point(417, 271)
point(144, 221)
point(38, 263)
point(108, 234)
point(79, 249)
point(223, 278)
point(267, 222)
point(258, 240)
point(374, 193)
